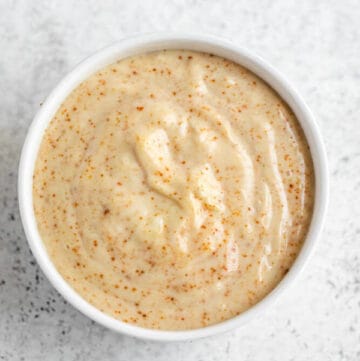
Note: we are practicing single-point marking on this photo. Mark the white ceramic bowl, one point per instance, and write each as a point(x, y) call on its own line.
point(137, 45)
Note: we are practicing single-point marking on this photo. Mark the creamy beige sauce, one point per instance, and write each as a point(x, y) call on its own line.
point(173, 190)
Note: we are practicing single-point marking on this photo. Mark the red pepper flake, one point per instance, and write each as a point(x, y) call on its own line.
point(158, 173)
point(140, 108)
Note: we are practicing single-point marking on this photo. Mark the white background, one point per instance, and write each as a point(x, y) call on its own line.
point(316, 44)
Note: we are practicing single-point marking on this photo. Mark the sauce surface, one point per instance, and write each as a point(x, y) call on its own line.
point(173, 190)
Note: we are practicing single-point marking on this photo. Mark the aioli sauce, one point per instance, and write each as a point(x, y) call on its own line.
point(173, 190)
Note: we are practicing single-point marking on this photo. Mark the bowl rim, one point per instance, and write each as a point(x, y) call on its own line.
point(141, 44)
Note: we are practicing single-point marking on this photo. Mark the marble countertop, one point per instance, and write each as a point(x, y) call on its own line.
point(316, 45)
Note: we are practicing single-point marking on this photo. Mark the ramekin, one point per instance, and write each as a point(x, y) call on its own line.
point(141, 44)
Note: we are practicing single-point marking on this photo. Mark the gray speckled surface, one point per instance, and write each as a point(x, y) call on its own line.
point(316, 45)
